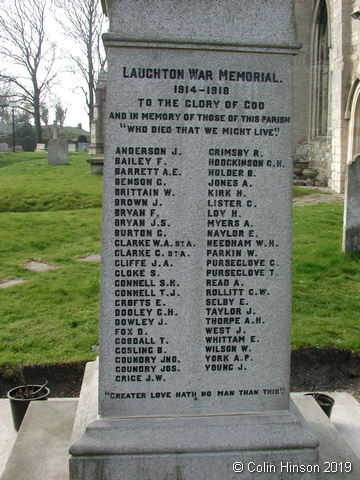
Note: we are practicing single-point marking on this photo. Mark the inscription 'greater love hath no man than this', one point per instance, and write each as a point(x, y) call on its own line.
point(196, 256)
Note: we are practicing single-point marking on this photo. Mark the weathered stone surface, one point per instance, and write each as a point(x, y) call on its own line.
point(351, 233)
point(57, 152)
point(209, 21)
point(207, 231)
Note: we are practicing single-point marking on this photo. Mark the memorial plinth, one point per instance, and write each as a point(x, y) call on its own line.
point(196, 269)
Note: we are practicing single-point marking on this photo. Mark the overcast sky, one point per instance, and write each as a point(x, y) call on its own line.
point(67, 84)
point(66, 87)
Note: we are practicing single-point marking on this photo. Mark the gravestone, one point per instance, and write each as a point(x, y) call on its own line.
point(83, 146)
point(4, 147)
point(351, 232)
point(96, 165)
point(97, 123)
point(96, 146)
point(57, 152)
point(196, 269)
point(40, 147)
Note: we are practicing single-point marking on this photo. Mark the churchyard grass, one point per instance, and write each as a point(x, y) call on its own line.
point(45, 215)
point(326, 282)
point(52, 214)
point(29, 184)
point(302, 191)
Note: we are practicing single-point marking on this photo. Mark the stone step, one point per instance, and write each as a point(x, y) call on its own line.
point(7, 433)
point(40, 449)
point(345, 418)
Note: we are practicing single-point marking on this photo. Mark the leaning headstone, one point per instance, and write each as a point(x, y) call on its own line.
point(196, 269)
point(57, 152)
point(351, 232)
point(4, 147)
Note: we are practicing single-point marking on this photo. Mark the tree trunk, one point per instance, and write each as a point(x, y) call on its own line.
point(91, 84)
point(37, 117)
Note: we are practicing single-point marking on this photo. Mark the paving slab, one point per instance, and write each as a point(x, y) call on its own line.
point(41, 447)
point(7, 433)
point(39, 266)
point(335, 453)
point(320, 195)
point(94, 257)
point(346, 418)
point(10, 283)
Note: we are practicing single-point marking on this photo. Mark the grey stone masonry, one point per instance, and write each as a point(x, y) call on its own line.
point(196, 275)
point(196, 269)
point(57, 152)
point(351, 233)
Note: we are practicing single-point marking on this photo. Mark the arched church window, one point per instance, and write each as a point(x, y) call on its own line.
point(321, 72)
point(356, 128)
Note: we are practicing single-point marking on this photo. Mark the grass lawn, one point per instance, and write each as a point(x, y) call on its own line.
point(29, 184)
point(53, 214)
point(302, 191)
point(326, 282)
point(49, 213)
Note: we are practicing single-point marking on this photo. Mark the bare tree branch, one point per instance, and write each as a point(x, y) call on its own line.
point(24, 47)
point(82, 21)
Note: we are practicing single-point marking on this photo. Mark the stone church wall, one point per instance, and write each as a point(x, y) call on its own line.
point(327, 152)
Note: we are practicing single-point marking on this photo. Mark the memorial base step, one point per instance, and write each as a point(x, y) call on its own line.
point(206, 447)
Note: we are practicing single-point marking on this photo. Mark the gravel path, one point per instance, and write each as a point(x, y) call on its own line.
point(325, 196)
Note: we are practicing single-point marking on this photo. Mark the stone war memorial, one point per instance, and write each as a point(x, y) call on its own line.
point(196, 259)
